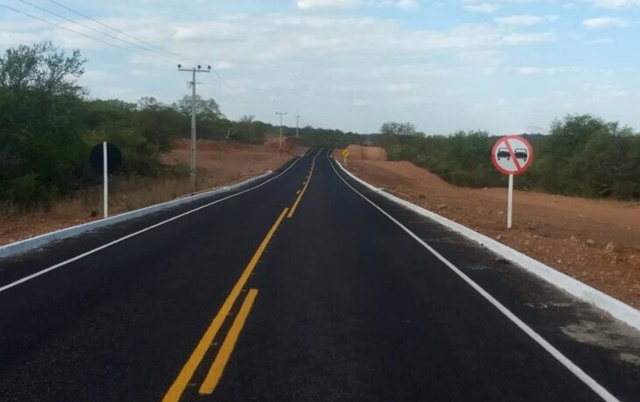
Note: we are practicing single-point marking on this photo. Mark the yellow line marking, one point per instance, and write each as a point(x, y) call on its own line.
point(216, 370)
point(297, 192)
point(295, 204)
point(181, 382)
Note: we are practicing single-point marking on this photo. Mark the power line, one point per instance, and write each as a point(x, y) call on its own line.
point(220, 78)
point(76, 32)
point(116, 30)
point(228, 89)
point(95, 30)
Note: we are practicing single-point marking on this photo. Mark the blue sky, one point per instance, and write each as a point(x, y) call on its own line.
point(507, 66)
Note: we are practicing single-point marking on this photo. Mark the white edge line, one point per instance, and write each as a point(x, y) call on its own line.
point(95, 250)
point(22, 246)
point(577, 371)
point(610, 305)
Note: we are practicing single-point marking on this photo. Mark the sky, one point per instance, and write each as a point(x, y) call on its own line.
point(505, 66)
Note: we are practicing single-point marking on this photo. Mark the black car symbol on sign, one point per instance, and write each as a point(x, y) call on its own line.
point(521, 153)
point(503, 153)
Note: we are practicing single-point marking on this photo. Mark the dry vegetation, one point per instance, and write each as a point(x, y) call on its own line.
point(218, 164)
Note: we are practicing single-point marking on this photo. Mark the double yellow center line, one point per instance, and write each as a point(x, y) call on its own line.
point(224, 354)
point(181, 382)
point(306, 184)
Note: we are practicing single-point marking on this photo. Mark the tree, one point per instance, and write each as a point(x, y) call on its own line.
point(206, 110)
point(40, 106)
point(41, 67)
point(250, 131)
point(159, 124)
point(393, 128)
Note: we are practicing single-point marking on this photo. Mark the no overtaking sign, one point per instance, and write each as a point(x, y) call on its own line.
point(512, 154)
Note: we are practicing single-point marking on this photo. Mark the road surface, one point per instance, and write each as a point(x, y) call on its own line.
point(301, 287)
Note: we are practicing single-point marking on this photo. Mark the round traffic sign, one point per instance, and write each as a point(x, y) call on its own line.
point(512, 154)
point(114, 158)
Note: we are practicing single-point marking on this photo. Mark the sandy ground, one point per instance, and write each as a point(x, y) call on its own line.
point(595, 241)
point(229, 163)
point(224, 164)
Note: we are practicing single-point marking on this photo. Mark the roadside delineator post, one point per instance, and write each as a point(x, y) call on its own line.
point(511, 155)
point(105, 179)
point(105, 158)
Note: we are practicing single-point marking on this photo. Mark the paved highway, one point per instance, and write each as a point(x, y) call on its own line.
point(301, 287)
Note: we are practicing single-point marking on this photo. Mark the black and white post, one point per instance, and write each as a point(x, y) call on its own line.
point(105, 180)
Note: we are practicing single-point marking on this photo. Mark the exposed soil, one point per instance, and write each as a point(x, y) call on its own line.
point(594, 241)
point(367, 153)
point(227, 163)
point(223, 164)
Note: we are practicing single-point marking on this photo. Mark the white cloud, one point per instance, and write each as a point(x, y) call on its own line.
point(311, 4)
point(524, 39)
point(536, 70)
point(604, 22)
point(602, 41)
point(605, 90)
point(616, 3)
point(525, 20)
point(484, 8)
point(407, 5)
point(344, 69)
point(400, 87)
point(317, 4)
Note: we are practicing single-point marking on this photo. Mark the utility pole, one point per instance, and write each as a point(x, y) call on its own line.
point(281, 114)
point(297, 120)
point(193, 83)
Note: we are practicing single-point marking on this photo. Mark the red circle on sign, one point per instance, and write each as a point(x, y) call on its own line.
point(503, 143)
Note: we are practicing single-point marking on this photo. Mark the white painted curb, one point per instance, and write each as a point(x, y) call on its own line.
point(42, 240)
point(616, 308)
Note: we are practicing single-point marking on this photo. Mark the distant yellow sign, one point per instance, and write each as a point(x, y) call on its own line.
point(345, 153)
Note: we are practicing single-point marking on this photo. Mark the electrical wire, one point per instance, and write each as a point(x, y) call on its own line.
point(96, 30)
point(173, 57)
point(77, 32)
point(117, 30)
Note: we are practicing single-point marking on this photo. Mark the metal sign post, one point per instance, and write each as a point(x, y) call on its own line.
point(510, 203)
point(511, 155)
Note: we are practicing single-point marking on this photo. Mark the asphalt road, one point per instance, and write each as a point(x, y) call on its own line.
point(296, 288)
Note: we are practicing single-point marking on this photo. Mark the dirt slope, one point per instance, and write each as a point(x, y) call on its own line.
point(226, 163)
point(359, 152)
point(595, 241)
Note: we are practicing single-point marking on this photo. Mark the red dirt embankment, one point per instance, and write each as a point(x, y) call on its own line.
point(358, 152)
point(227, 162)
point(594, 241)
